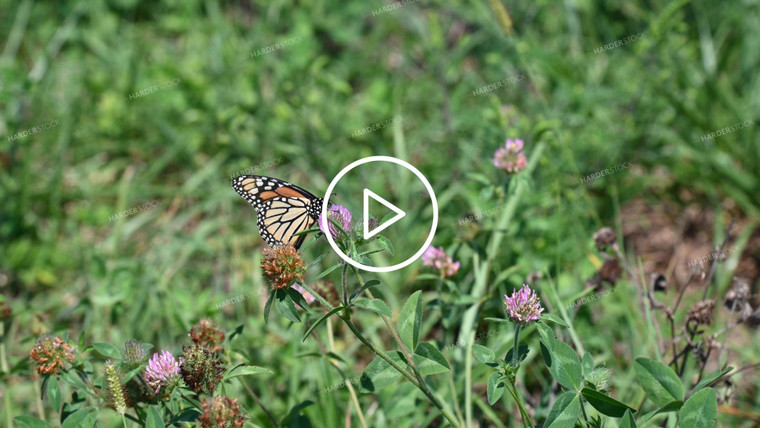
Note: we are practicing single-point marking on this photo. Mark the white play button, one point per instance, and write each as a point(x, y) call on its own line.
point(399, 214)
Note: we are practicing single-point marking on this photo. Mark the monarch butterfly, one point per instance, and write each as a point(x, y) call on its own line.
point(283, 209)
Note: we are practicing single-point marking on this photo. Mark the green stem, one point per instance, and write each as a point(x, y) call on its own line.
point(421, 386)
point(317, 296)
point(523, 413)
point(38, 401)
point(518, 327)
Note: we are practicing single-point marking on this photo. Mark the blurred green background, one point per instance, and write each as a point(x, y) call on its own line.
point(64, 266)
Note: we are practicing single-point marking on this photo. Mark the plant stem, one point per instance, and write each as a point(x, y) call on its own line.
point(422, 386)
point(523, 413)
point(518, 327)
point(256, 399)
point(38, 397)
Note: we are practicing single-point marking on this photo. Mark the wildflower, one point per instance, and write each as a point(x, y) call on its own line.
point(50, 353)
point(116, 396)
point(221, 411)
point(523, 307)
point(511, 158)
point(133, 354)
point(599, 378)
point(437, 258)
point(341, 215)
point(306, 295)
point(162, 371)
point(207, 334)
point(282, 266)
point(200, 369)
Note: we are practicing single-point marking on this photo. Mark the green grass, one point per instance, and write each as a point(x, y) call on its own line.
point(64, 267)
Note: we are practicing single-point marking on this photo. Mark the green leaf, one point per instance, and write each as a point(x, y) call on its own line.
point(77, 419)
point(564, 365)
point(30, 422)
point(659, 381)
point(268, 307)
point(108, 350)
point(555, 319)
point(547, 335)
point(588, 364)
point(483, 354)
point(522, 353)
point(380, 374)
point(565, 411)
point(710, 378)
point(368, 284)
point(386, 244)
point(297, 297)
point(320, 321)
point(409, 320)
point(495, 387)
point(605, 404)
point(72, 378)
point(374, 305)
point(498, 320)
point(328, 270)
point(187, 415)
point(285, 306)
point(153, 419)
point(246, 371)
point(627, 421)
point(700, 410)
point(54, 394)
point(428, 360)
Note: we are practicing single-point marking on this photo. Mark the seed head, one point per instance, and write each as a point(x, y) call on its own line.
point(115, 391)
point(221, 412)
point(200, 369)
point(282, 266)
point(50, 353)
point(604, 237)
point(207, 334)
point(133, 354)
point(701, 313)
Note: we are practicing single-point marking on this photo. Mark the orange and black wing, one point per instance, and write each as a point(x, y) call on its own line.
point(283, 208)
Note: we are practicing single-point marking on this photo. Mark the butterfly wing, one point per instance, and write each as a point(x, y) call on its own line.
point(283, 209)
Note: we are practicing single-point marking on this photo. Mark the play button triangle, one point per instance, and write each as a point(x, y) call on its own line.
point(399, 214)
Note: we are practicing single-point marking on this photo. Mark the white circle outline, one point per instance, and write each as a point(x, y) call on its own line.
point(326, 200)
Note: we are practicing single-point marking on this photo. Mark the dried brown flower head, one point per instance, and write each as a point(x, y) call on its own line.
point(282, 266)
point(221, 412)
point(702, 312)
point(200, 369)
point(610, 271)
point(327, 290)
point(207, 334)
point(737, 294)
point(604, 237)
point(50, 353)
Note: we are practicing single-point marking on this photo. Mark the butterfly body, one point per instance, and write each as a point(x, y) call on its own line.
point(283, 209)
